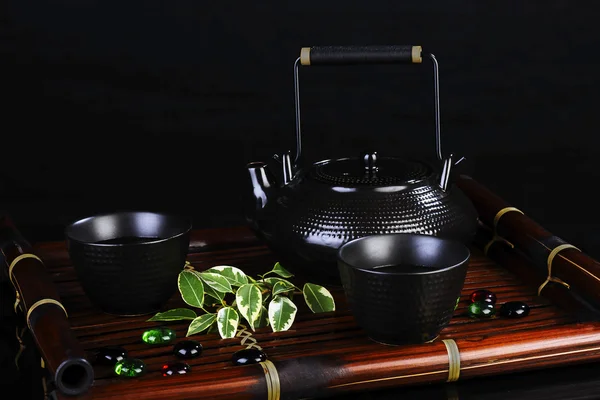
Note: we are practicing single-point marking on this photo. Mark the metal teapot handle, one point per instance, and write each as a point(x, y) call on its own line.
point(351, 55)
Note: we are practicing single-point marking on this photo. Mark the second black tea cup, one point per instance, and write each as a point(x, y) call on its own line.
point(402, 287)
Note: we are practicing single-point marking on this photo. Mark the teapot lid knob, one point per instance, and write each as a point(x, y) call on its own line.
point(370, 163)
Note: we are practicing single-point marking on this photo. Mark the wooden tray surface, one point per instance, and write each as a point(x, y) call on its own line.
point(322, 354)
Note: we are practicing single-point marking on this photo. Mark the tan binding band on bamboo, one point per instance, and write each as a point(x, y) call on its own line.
point(551, 256)
point(272, 380)
point(500, 213)
point(493, 240)
point(42, 302)
point(16, 260)
point(453, 360)
point(496, 237)
point(305, 56)
point(416, 54)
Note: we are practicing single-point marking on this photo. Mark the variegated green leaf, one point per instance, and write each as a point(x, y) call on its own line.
point(279, 270)
point(201, 324)
point(176, 314)
point(227, 321)
point(318, 298)
point(282, 286)
point(216, 281)
point(263, 319)
point(214, 296)
point(235, 276)
point(249, 300)
point(282, 312)
point(263, 285)
point(271, 281)
point(191, 288)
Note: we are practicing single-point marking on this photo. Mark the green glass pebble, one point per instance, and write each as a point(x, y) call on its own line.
point(130, 367)
point(159, 336)
point(481, 309)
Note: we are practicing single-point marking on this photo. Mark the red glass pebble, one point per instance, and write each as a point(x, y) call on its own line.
point(483, 295)
point(178, 368)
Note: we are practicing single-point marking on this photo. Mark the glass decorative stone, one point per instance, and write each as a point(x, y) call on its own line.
point(130, 367)
point(514, 309)
point(481, 309)
point(159, 336)
point(110, 355)
point(248, 356)
point(178, 368)
point(187, 349)
point(483, 295)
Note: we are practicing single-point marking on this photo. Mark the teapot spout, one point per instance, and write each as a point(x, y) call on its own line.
point(262, 182)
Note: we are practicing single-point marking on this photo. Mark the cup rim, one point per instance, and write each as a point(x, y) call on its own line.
point(341, 260)
point(69, 228)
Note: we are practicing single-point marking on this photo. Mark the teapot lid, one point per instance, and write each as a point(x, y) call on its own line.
point(370, 170)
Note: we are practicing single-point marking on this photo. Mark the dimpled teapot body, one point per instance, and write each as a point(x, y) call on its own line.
point(306, 220)
point(308, 213)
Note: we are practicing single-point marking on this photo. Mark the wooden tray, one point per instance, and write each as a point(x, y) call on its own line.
point(326, 354)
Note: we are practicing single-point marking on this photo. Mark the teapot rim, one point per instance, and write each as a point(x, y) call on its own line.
point(426, 176)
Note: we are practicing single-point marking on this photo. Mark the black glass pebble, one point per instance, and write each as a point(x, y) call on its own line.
point(110, 355)
point(514, 309)
point(248, 356)
point(187, 349)
point(178, 368)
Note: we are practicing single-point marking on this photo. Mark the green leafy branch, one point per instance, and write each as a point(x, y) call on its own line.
point(225, 293)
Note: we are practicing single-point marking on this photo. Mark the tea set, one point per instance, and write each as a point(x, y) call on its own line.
point(393, 232)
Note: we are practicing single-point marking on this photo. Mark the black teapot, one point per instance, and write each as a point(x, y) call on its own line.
point(306, 214)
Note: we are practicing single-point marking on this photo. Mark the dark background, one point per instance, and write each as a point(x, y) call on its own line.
point(158, 105)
